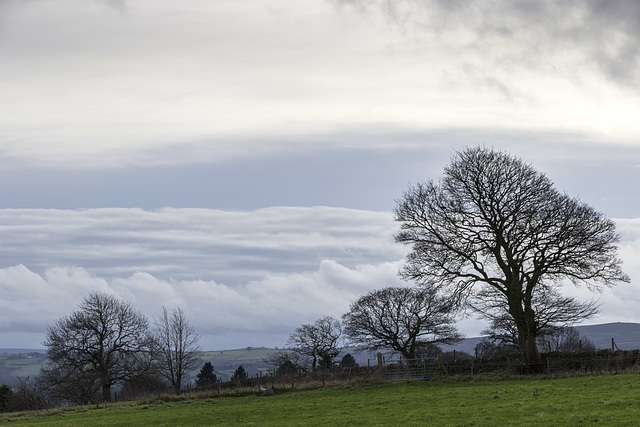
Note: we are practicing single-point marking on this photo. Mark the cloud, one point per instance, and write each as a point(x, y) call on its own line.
point(558, 37)
point(245, 278)
point(207, 244)
point(211, 82)
point(261, 312)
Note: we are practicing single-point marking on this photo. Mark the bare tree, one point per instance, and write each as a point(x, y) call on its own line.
point(320, 340)
point(64, 384)
point(282, 361)
point(553, 312)
point(494, 220)
point(406, 320)
point(178, 346)
point(106, 341)
point(566, 340)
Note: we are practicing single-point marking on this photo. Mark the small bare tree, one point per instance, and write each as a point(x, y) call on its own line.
point(106, 341)
point(406, 320)
point(320, 340)
point(178, 346)
point(566, 340)
point(283, 360)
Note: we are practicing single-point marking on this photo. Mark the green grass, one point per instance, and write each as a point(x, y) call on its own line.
point(604, 400)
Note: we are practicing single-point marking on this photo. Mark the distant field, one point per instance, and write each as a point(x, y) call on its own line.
point(23, 365)
point(14, 365)
point(606, 400)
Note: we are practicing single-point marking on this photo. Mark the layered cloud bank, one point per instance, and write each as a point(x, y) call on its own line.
point(244, 278)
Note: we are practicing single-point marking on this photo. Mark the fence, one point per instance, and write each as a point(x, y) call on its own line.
point(395, 369)
point(410, 370)
point(591, 363)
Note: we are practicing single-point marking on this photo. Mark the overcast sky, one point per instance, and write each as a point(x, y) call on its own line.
point(241, 159)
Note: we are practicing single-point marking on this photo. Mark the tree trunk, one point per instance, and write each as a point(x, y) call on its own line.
point(106, 393)
point(177, 384)
point(529, 348)
point(524, 318)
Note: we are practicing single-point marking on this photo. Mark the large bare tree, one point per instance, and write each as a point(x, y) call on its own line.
point(320, 340)
point(106, 341)
point(178, 347)
point(494, 220)
point(406, 320)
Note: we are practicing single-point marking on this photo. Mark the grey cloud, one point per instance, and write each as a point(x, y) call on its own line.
point(369, 176)
point(245, 278)
point(184, 244)
point(261, 312)
point(560, 37)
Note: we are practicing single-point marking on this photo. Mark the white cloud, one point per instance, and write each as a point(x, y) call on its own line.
point(244, 278)
point(262, 312)
point(163, 82)
point(232, 247)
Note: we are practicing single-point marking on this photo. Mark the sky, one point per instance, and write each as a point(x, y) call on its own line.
point(242, 159)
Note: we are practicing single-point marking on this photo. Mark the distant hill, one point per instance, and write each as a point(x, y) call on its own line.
point(626, 336)
point(22, 363)
point(21, 350)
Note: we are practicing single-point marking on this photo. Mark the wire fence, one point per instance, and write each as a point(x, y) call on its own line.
point(393, 368)
point(397, 369)
point(587, 363)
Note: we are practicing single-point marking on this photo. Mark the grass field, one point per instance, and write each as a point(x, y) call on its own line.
point(604, 400)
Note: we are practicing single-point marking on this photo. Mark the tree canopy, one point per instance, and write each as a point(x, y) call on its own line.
point(106, 341)
point(206, 377)
point(494, 222)
point(406, 320)
point(318, 340)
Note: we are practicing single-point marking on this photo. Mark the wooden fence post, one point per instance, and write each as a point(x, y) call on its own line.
point(380, 365)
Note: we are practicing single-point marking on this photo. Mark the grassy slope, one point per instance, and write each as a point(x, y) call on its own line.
point(608, 400)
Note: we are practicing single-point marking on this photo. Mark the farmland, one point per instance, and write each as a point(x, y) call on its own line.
point(609, 400)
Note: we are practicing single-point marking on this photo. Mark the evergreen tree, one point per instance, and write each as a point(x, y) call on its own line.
point(206, 377)
point(6, 395)
point(348, 361)
point(240, 374)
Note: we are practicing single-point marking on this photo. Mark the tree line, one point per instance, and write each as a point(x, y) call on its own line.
point(107, 343)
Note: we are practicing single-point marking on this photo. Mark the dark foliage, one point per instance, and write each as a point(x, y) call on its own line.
point(6, 397)
point(206, 377)
point(239, 374)
point(348, 361)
